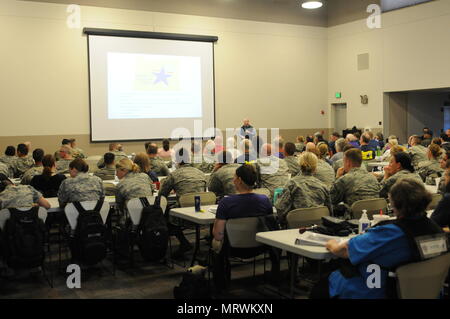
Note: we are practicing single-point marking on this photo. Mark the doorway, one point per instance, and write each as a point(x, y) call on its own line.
point(339, 120)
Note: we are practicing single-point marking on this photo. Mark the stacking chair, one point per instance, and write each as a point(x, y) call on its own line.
point(206, 198)
point(435, 199)
point(240, 241)
point(306, 216)
point(372, 206)
point(424, 279)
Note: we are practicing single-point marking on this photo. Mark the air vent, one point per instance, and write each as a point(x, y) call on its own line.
point(363, 61)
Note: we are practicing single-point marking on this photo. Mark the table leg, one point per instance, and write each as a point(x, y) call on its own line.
point(197, 244)
point(294, 263)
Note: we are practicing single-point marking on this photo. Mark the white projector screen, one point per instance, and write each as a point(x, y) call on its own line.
point(145, 88)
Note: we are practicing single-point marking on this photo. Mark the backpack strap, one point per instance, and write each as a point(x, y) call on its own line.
point(99, 204)
point(144, 201)
point(97, 207)
point(14, 212)
point(79, 207)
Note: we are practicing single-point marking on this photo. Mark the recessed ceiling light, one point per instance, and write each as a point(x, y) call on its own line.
point(312, 4)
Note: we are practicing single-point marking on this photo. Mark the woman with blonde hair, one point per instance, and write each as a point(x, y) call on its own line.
point(324, 171)
point(133, 183)
point(431, 169)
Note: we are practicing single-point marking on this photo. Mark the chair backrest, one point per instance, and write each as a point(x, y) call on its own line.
point(306, 216)
point(423, 280)
point(134, 207)
point(435, 199)
point(372, 206)
point(5, 214)
point(92, 162)
point(206, 198)
point(262, 191)
point(72, 213)
point(241, 232)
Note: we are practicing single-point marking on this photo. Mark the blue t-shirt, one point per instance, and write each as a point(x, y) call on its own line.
point(244, 205)
point(386, 246)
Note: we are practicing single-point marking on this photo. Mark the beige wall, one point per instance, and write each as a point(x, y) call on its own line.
point(409, 52)
point(275, 74)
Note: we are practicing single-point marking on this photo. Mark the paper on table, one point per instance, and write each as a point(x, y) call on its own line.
point(315, 239)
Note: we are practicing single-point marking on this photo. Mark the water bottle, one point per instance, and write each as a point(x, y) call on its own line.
point(378, 151)
point(197, 204)
point(364, 222)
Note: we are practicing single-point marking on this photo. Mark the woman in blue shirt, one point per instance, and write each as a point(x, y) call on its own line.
point(386, 246)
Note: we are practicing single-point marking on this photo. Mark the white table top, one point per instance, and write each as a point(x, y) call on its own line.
point(188, 213)
point(285, 240)
point(376, 164)
point(55, 203)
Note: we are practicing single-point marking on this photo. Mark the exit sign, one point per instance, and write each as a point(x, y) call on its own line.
point(338, 95)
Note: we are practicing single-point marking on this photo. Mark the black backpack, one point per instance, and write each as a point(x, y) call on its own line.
point(89, 244)
point(24, 237)
point(153, 234)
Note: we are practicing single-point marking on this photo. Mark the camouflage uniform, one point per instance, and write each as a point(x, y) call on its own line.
point(62, 166)
point(429, 170)
point(204, 163)
point(221, 181)
point(78, 153)
point(186, 179)
point(338, 164)
point(293, 165)
point(325, 173)
point(158, 166)
point(133, 185)
point(118, 156)
point(19, 196)
point(32, 172)
point(299, 147)
point(273, 173)
point(388, 183)
point(302, 191)
point(21, 165)
point(9, 161)
point(4, 169)
point(355, 185)
point(81, 188)
point(106, 173)
point(442, 186)
point(418, 154)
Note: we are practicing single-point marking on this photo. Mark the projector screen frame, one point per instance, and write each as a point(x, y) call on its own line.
point(147, 35)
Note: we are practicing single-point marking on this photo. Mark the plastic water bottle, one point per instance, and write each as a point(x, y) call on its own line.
point(378, 151)
point(364, 222)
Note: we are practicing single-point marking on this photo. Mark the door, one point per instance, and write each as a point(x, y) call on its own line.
point(339, 117)
point(398, 116)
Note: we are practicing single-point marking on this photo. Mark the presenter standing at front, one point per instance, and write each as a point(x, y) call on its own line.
point(247, 131)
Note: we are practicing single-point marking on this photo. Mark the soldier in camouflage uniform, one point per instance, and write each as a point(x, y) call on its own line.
point(203, 162)
point(221, 180)
point(133, 183)
point(303, 190)
point(116, 149)
point(19, 196)
point(291, 159)
point(325, 173)
point(353, 182)
point(76, 152)
point(4, 169)
point(157, 165)
point(38, 155)
point(417, 152)
point(108, 172)
point(272, 171)
point(62, 166)
point(81, 187)
point(431, 169)
point(22, 162)
point(8, 159)
point(399, 167)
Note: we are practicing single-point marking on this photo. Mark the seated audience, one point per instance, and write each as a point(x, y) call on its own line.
point(352, 140)
point(133, 183)
point(157, 165)
point(8, 159)
point(231, 148)
point(201, 161)
point(332, 143)
point(291, 159)
point(353, 182)
point(49, 181)
point(373, 142)
point(118, 152)
point(380, 139)
point(427, 138)
point(12, 196)
point(218, 142)
point(445, 142)
point(445, 165)
point(165, 151)
point(324, 153)
point(248, 155)
point(36, 169)
point(76, 152)
point(80, 186)
point(300, 145)
point(339, 147)
point(108, 172)
point(399, 167)
point(141, 160)
point(431, 169)
point(23, 162)
point(324, 171)
point(279, 144)
point(64, 142)
point(221, 180)
point(367, 151)
point(441, 214)
point(340, 162)
point(65, 154)
point(388, 245)
point(303, 190)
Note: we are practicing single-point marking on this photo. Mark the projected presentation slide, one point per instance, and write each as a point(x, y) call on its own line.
point(153, 86)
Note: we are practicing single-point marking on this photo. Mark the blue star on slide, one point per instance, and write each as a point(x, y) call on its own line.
point(161, 77)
